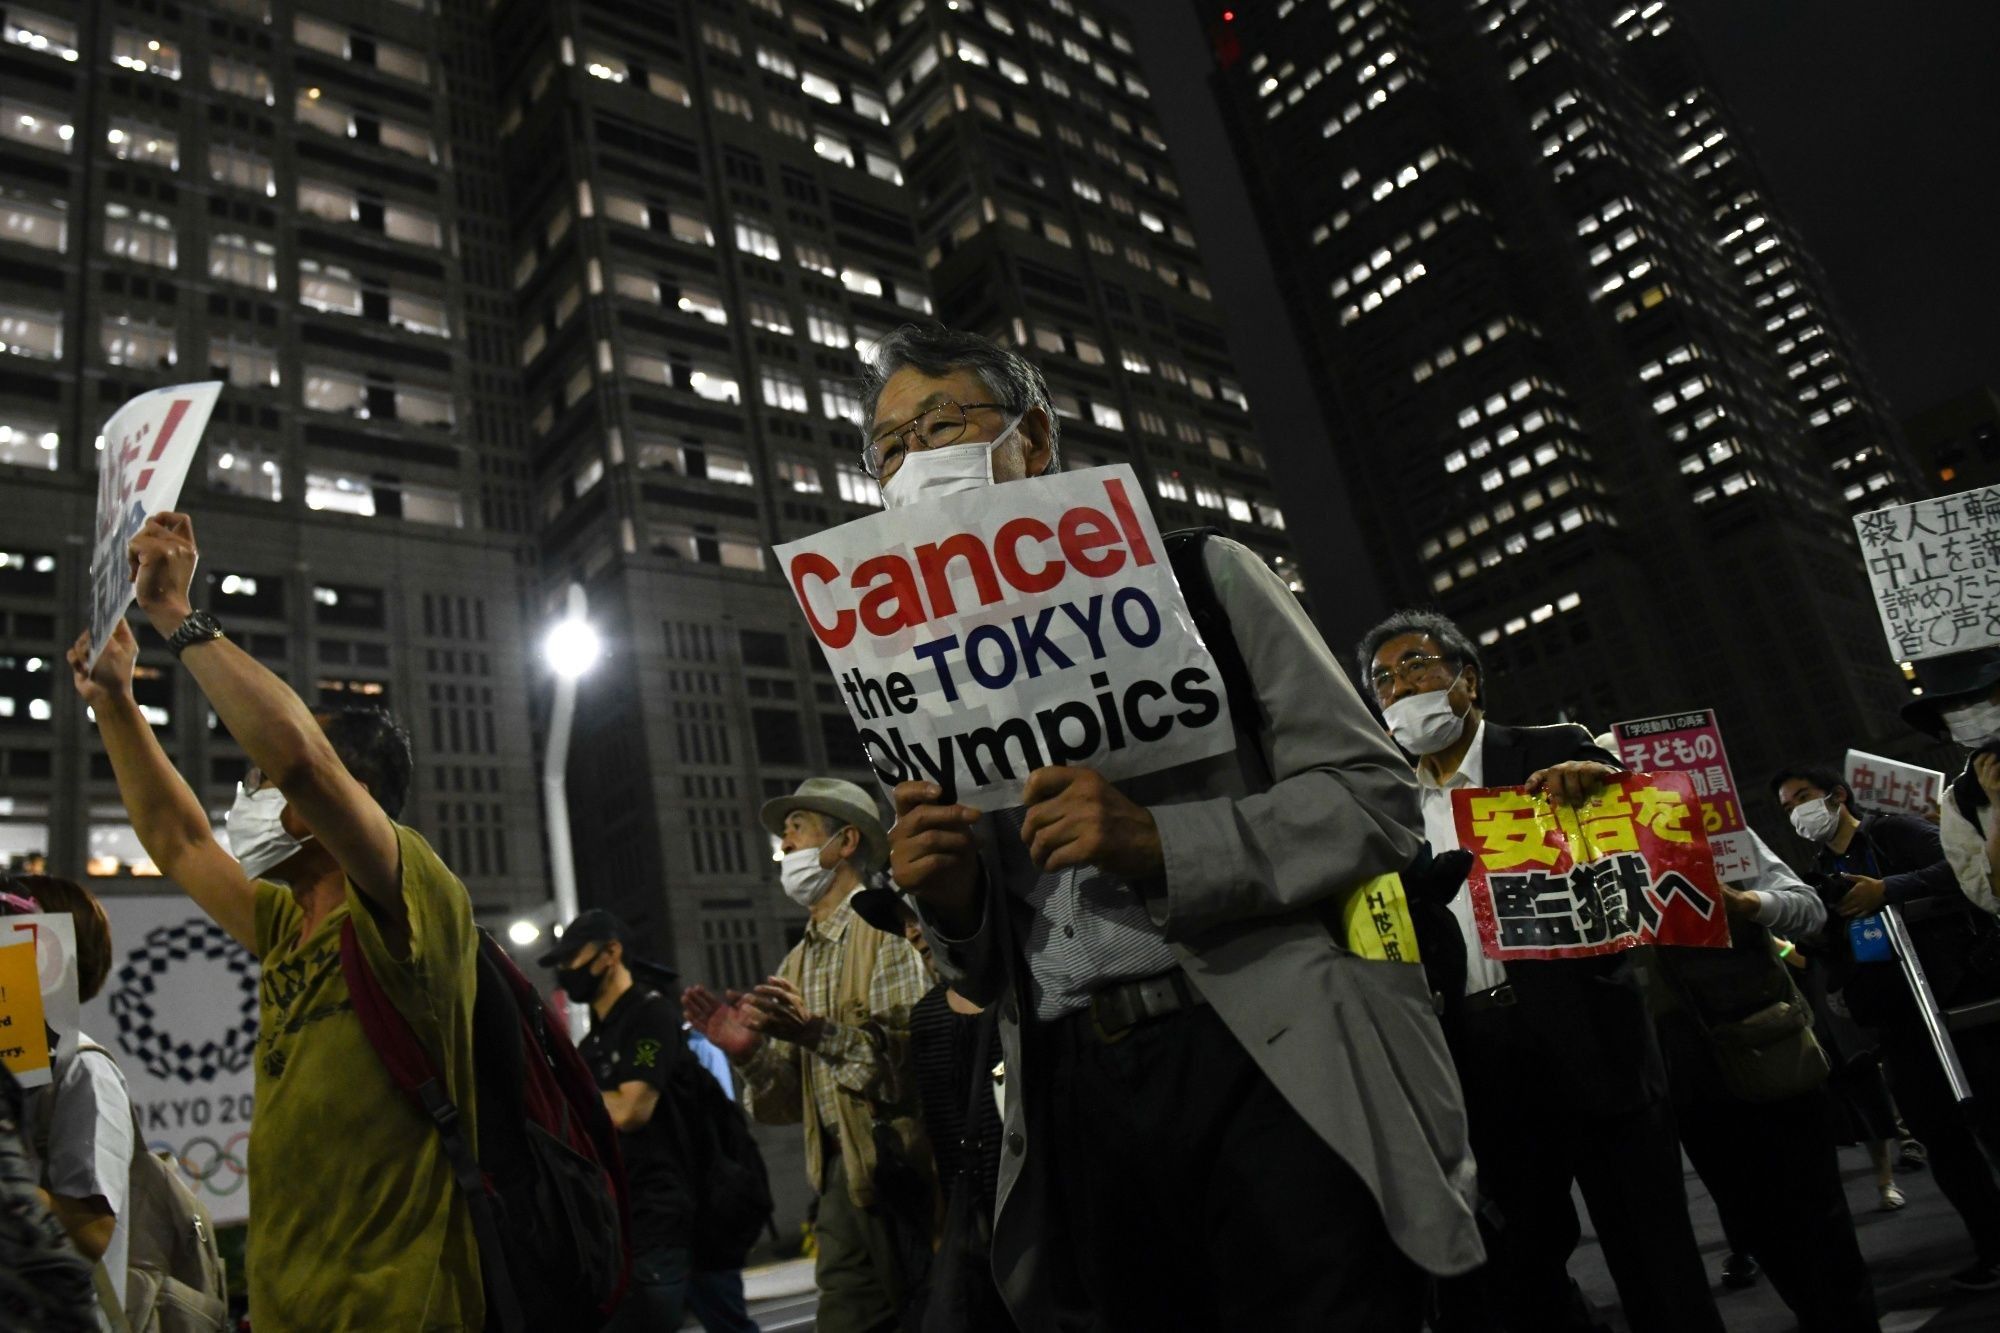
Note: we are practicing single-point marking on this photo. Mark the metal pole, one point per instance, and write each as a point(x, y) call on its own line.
point(1927, 1005)
point(555, 810)
point(555, 783)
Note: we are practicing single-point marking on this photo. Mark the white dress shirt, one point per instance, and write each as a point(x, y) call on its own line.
point(1481, 972)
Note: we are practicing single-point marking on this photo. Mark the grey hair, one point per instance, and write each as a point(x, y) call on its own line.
point(1439, 629)
point(1011, 378)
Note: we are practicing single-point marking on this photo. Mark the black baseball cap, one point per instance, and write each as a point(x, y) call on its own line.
point(595, 926)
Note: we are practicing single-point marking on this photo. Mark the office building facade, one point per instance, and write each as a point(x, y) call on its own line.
point(292, 202)
point(1559, 327)
point(717, 211)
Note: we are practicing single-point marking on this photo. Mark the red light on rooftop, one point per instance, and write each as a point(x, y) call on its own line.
point(1229, 16)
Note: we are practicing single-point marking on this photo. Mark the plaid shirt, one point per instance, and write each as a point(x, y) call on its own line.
point(852, 1062)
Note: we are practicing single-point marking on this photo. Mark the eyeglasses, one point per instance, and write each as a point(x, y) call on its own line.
point(933, 428)
point(1410, 671)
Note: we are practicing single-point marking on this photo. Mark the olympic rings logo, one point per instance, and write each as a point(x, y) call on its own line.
point(212, 1167)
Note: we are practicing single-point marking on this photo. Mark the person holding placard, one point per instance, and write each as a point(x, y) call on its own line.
point(359, 1225)
point(80, 1131)
point(1216, 1115)
point(1561, 1066)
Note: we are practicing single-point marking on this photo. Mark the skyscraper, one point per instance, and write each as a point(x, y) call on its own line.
point(1578, 364)
point(515, 294)
point(299, 206)
point(716, 211)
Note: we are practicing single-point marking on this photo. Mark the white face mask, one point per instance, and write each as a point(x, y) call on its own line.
point(804, 879)
point(1974, 724)
point(1815, 821)
point(1425, 723)
point(256, 835)
point(932, 474)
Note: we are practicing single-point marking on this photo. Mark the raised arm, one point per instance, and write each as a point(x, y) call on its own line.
point(165, 813)
point(271, 723)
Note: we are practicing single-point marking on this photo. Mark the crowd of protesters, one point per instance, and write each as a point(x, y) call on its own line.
point(1104, 1060)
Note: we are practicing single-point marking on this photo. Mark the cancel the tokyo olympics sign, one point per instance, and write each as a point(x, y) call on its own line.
point(172, 999)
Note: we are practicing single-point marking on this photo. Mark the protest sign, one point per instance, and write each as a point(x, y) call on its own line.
point(179, 1011)
point(148, 446)
point(1691, 743)
point(984, 635)
point(24, 1040)
point(1890, 786)
point(1629, 867)
point(40, 980)
point(1934, 567)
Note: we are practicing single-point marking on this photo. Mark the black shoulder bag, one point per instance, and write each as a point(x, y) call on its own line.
point(963, 1297)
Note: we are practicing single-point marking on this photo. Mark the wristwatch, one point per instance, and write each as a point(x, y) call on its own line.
point(199, 627)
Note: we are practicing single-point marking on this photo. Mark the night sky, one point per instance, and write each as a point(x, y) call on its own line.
point(1877, 127)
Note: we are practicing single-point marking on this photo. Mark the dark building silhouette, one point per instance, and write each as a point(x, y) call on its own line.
point(1587, 391)
point(1957, 442)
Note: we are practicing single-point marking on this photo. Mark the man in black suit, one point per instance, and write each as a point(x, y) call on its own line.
point(1559, 1061)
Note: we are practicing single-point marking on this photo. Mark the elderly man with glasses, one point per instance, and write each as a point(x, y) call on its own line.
point(1216, 1115)
point(1559, 1061)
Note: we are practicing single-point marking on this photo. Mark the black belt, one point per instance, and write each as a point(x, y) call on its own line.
point(1122, 1006)
point(1499, 997)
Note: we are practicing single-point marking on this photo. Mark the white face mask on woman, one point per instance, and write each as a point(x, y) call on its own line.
point(933, 474)
point(257, 833)
point(1815, 821)
point(1425, 723)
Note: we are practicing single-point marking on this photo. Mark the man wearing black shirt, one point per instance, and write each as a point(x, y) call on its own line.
point(1898, 860)
point(637, 1053)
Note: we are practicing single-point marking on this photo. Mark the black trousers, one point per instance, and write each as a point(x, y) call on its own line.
point(1775, 1174)
point(1959, 1162)
point(1187, 1193)
point(1534, 1133)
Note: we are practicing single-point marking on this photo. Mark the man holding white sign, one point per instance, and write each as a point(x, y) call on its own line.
point(1215, 1113)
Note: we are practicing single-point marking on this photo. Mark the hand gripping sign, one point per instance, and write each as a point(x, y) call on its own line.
point(1629, 867)
point(985, 635)
point(148, 445)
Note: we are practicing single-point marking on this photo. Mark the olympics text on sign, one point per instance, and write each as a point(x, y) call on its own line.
point(1691, 743)
point(1629, 867)
point(147, 447)
point(1934, 567)
point(986, 635)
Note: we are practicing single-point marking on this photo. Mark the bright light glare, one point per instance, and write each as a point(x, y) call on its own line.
point(572, 648)
point(524, 931)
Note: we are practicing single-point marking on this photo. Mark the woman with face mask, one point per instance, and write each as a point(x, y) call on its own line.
point(1867, 862)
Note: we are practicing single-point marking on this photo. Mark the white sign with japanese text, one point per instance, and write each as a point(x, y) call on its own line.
point(1934, 567)
point(1891, 786)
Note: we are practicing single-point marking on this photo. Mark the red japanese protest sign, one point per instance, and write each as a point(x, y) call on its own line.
point(1891, 786)
point(1691, 743)
point(1629, 867)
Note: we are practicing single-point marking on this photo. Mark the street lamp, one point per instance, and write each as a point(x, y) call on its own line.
point(524, 932)
point(571, 649)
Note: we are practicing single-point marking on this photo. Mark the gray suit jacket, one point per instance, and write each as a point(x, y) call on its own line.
point(1254, 843)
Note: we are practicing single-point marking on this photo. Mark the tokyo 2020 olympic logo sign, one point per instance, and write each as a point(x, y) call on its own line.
point(173, 1017)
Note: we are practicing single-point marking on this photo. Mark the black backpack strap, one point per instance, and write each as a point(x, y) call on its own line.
point(410, 1068)
point(1211, 621)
